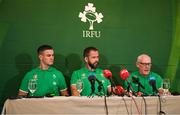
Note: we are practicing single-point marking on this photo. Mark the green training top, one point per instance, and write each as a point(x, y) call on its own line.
point(145, 81)
point(83, 74)
point(50, 81)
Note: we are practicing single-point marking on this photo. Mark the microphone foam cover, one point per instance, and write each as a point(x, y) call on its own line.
point(124, 74)
point(119, 90)
point(107, 73)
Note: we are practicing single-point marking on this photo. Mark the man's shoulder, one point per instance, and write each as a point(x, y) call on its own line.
point(135, 73)
point(54, 70)
point(32, 70)
point(83, 69)
point(78, 71)
point(154, 74)
point(31, 73)
point(99, 69)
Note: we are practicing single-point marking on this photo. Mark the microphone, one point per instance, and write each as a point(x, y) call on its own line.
point(108, 75)
point(119, 91)
point(100, 87)
point(92, 80)
point(135, 79)
point(124, 74)
point(152, 82)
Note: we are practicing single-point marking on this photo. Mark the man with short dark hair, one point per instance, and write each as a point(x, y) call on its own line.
point(46, 79)
point(90, 80)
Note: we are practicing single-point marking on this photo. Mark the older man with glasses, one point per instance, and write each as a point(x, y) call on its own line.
point(144, 81)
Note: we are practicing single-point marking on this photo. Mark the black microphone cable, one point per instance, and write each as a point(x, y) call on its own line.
point(136, 105)
point(145, 104)
point(101, 87)
point(135, 79)
point(125, 105)
point(160, 106)
point(122, 95)
point(152, 82)
point(138, 110)
point(105, 101)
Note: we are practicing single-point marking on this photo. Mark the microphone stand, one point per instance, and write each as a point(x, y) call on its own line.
point(113, 86)
point(140, 86)
point(92, 90)
point(100, 87)
point(136, 81)
point(130, 88)
point(153, 85)
point(92, 81)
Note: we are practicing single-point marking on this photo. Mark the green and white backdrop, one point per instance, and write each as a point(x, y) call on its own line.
point(120, 29)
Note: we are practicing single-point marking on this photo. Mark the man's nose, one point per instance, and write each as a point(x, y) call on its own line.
point(97, 59)
point(52, 57)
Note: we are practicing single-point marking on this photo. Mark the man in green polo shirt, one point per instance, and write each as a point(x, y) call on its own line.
point(144, 81)
point(89, 80)
point(44, 79)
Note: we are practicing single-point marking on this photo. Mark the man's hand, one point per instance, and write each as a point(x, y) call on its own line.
point(22, 93)
point(162, 91)
point(74, 91)
point(64, 93)
point(139, 94)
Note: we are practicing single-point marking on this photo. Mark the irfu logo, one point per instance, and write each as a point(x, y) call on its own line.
point(90, 14)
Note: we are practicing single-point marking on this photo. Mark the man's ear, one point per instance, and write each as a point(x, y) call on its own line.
point(85, 59)
point(40, 57)
point(137, 64)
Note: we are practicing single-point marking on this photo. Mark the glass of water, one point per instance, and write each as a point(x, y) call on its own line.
point(79, 85)
point(166, 86)
point(32, 86)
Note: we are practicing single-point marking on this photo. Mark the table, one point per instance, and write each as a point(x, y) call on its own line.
point(94, 105)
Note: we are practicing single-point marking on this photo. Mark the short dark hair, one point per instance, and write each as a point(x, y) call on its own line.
point(43, 48)
point(87, 50)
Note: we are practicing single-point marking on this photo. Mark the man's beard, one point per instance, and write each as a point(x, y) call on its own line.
point(93, 65)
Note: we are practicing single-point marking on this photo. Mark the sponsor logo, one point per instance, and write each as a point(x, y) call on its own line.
point(90, 15)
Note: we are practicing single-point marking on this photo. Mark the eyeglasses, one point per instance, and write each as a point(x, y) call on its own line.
point(145, 64)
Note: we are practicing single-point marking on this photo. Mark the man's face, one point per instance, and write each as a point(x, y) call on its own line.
point(144, 65)
point(47, 57)
point(92, 59)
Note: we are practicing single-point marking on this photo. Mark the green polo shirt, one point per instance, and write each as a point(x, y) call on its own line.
point(50, 81)
point(83, 75)
point(144, 80)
